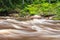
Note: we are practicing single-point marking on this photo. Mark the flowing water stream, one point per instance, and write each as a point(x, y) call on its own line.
point(36, 29)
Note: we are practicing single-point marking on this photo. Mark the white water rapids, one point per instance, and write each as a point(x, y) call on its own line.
point(36, 29)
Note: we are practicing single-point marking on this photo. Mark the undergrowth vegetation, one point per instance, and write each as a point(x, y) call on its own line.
point(29, 7)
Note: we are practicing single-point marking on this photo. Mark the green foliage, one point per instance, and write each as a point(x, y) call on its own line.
point(44, 8)
point(32, 9)
point(29, 7)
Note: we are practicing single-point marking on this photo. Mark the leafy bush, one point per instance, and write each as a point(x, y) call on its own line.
point(44, 8)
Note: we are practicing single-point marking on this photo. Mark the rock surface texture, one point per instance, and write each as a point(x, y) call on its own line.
point(36, 29)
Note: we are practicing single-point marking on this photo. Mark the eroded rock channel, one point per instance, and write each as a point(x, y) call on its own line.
point(36, 29)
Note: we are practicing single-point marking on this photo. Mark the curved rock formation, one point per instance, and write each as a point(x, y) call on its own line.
point(36, 29)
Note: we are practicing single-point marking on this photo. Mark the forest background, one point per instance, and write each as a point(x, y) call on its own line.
point(29, 7)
